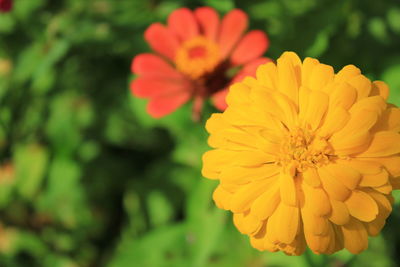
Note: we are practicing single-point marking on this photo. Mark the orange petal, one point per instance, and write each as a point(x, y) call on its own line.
point(232, 27)
point(250, 47)
point(183, 23)
point(208, 20)
point(161, 40)
point(150, 65)
point(164, 105)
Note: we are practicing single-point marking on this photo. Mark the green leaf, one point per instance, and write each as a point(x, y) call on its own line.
point(159, 247)
point(392, 78)
point(30, 162)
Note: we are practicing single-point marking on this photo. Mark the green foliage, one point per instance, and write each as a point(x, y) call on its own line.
point(95, 181)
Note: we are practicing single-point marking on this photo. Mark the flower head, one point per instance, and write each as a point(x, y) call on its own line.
point(306, 157)
point(5, 5)
point(195, 54)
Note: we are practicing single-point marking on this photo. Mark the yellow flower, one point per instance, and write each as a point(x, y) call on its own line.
point(306, 157)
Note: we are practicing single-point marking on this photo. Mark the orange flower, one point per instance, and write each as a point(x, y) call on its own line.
point(305, 156)
point(195, 54)
point(5, 5)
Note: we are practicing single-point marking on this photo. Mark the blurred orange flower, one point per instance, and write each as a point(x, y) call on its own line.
point(195, 53)
point(306, 157)
point(5, 5)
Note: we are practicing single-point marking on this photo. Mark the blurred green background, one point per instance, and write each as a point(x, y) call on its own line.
point(87, 178)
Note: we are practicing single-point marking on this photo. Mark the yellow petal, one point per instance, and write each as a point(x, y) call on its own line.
point(362, 84)
point(308, 65)
point(215, 123)
point(214, 160)
point(333, 186)
point(244, 175)
point(264, 101)
point(385, 189)
point(355, 236)
point(362, 166)
point(384, 204)
point(287, 189)
point(257, 240)
point(392, 164)
point(335, 120)
point(246, 223)
point(362, 206)
point(222, 198)
point(344, 174)
point(346, 73)
point(317, 200)
point(316, 108)
point(383, 144)
point(243, 199)
point(315, 227)
point(343, 95)
point(374, 227)
point(251, 158)
point(311, 177)
point(273, 227)
point(266, 204)
point(321, 76)
point(360, 121)
point(375, 104)
point(238, 94)
point(388, 121)
point(351, 144)
point(289, 75)
point(380, 88)
point(267, 74)
point(288, 223)
point(375, 180)
point(340, 214)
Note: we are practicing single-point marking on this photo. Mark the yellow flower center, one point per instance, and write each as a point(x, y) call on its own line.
point(197, 56)
point(302, 149)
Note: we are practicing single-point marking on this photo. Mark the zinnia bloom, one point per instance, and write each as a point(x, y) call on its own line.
point(5, 5)
point(196, 54)
point(306, 157)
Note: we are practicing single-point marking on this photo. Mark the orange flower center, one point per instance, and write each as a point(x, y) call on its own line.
point(197, 57)
point(301, 149)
